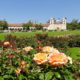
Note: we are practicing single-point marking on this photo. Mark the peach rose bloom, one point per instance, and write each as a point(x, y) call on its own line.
point(48, 49)
point(55, 51)
point(6, 43)
point(23, 64)
point(27, 49)
point(58, 59)
point(18, 70)
point(40, 58)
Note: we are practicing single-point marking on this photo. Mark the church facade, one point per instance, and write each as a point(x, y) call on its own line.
point(57, 24)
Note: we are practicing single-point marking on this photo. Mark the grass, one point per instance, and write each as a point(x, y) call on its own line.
point(74, 52)
point(31, 34)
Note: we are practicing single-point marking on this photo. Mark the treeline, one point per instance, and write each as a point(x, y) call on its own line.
point(73, 25)
point(29, 24)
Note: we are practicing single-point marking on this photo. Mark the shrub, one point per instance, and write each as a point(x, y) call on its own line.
point(74, 41)
point(60, 41)
point(19, 65)
point(22, 42)
point(45, 40)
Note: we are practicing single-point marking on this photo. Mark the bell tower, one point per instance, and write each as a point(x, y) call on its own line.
point(52, 20)
point(64, 21)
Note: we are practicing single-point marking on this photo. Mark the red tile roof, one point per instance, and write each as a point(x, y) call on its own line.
point(20, 25)
point(15, 25)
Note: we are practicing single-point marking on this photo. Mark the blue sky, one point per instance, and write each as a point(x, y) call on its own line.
point(18, 11)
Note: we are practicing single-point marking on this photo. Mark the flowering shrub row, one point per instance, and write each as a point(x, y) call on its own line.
point(44, 39)
point(42, 63)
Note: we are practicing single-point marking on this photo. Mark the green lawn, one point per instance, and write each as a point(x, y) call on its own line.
point(50, 33)
point(74, 52)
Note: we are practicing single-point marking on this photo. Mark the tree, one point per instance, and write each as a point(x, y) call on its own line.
point(27, 25)
point(73, 25)
point(3, 25)
point(39, 27)
point(79, 25)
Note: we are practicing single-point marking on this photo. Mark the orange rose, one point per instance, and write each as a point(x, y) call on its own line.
point(58, 59)
point(55, 51)
point(23, 64)
point(40, 58)
point(48, 49)
point(7, 44)
point(27, 49)
point(18, 70)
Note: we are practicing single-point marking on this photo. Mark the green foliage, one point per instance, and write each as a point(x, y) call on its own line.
point(3, 25)
point(1, 78)
point(74, 25)
point(45, 40)
point(48, 75)
point(27, 25)
point(22, 42)
point(39, 27)
point(41, 76)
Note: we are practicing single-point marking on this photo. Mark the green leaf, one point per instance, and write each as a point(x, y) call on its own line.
point(6, 76)
point(41, 76)
point(69, 78)
point(1, 78)
point(21, 77)
point(57, 74)
point(48, 75)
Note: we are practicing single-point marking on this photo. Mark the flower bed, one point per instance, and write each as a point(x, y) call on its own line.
point(42, 63)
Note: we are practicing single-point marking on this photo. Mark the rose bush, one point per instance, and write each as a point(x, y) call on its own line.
point(28, 63)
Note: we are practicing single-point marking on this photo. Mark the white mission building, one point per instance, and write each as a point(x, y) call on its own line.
point(57, 24)
point(52, 25)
